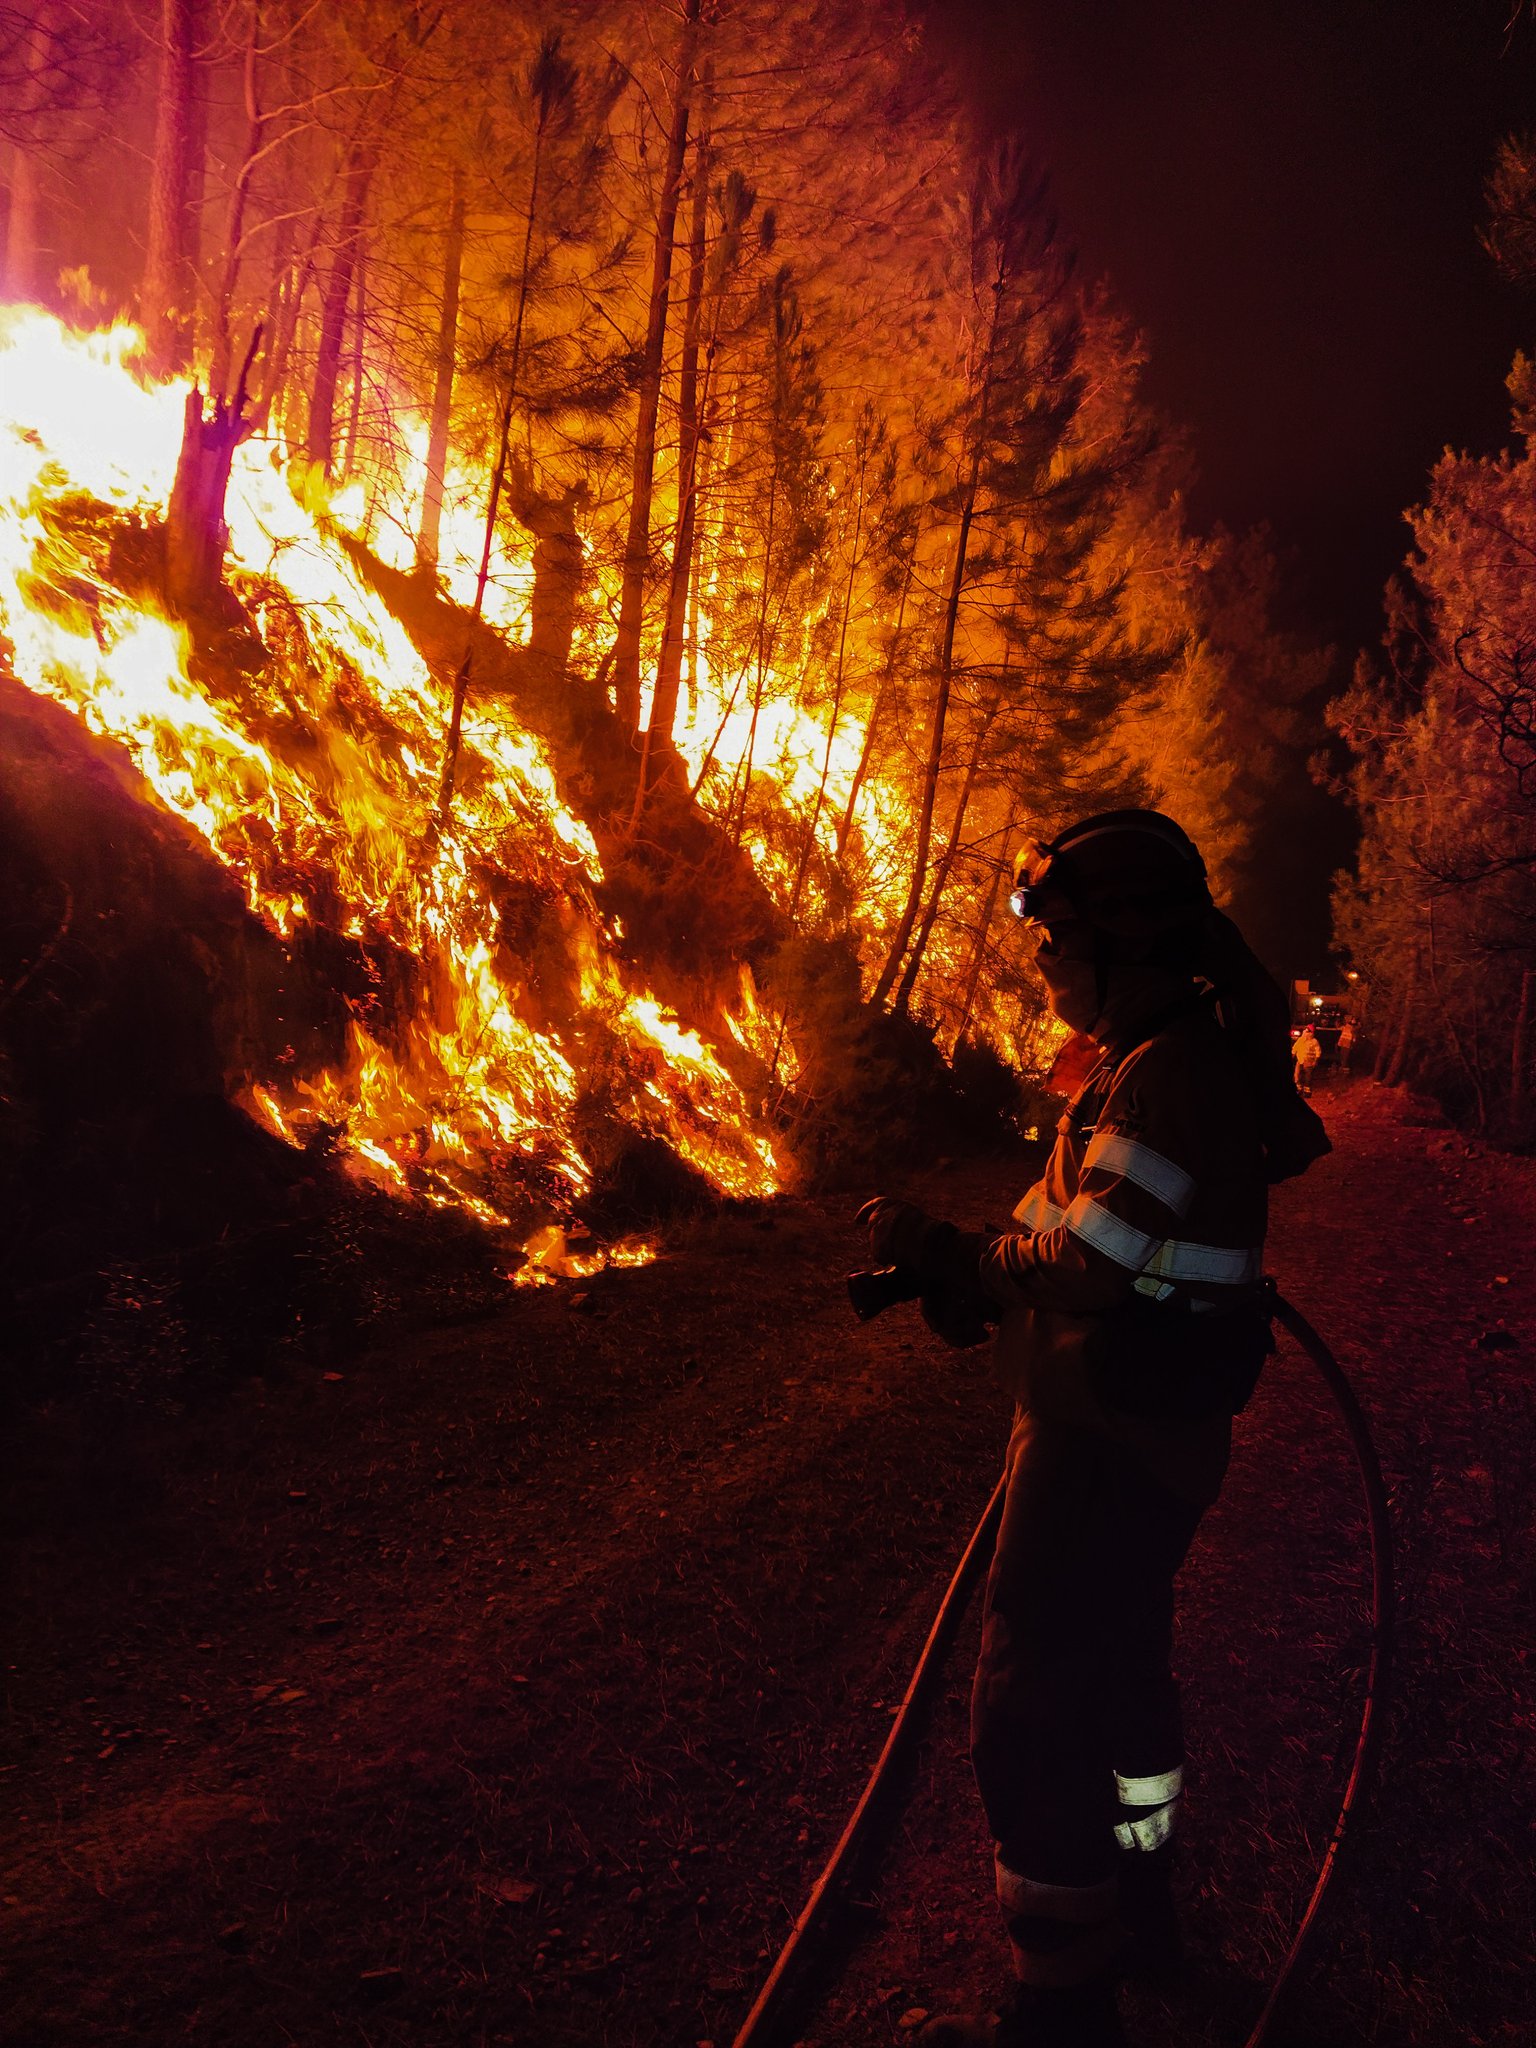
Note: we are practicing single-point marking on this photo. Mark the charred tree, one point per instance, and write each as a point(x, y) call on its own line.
point(1468, 1061)
point(1397, 1048)
point(292, 276)
point(60, 69)
point(196, 533)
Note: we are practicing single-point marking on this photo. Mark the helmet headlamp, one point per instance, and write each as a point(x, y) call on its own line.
point(1036, 891)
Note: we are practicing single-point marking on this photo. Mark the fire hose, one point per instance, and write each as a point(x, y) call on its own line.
point(871, 1294)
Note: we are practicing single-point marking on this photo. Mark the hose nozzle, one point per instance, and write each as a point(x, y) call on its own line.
point(873, 1292)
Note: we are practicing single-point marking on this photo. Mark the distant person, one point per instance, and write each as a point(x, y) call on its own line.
point(1131, 1327)
point(1346, 1046)
point(1306, 1053)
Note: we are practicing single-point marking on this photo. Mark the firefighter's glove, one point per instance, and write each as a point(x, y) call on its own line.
point(945, 1260)
point(901, 1234)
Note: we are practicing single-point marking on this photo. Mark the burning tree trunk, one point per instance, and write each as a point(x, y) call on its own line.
point(321, 435)
point(713, 445)
point(196, 535)
point(429, 536)
point(637, 546)
point(168, 255)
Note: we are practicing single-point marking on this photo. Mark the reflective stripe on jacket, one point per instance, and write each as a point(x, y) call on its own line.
point(1155, 1186)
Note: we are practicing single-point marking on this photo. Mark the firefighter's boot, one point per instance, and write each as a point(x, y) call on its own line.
point(1084, 2016)
point(1149, 1913)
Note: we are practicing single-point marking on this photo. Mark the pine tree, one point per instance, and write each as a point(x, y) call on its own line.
point(1441, 913)
point(637, 546)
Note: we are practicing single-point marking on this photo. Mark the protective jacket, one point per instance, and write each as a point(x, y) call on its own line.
point(1130, 1288)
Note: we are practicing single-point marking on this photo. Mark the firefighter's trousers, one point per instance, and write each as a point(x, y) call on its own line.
point(1076, 1735)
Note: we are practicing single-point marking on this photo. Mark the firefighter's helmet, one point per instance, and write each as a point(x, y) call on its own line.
point(1132, 875)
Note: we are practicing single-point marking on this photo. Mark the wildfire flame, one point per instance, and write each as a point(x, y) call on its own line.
point(315, 781)
point(553, 1254)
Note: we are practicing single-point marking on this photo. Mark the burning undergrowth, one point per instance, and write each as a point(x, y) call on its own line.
point(484, 991)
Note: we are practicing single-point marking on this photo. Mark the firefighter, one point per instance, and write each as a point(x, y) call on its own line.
point(1131, 1324)
point(1306, 1053)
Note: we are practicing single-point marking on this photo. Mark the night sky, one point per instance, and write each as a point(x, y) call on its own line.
point(1286, 195)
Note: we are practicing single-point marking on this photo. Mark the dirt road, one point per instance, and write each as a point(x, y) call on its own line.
point(509, 1686)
